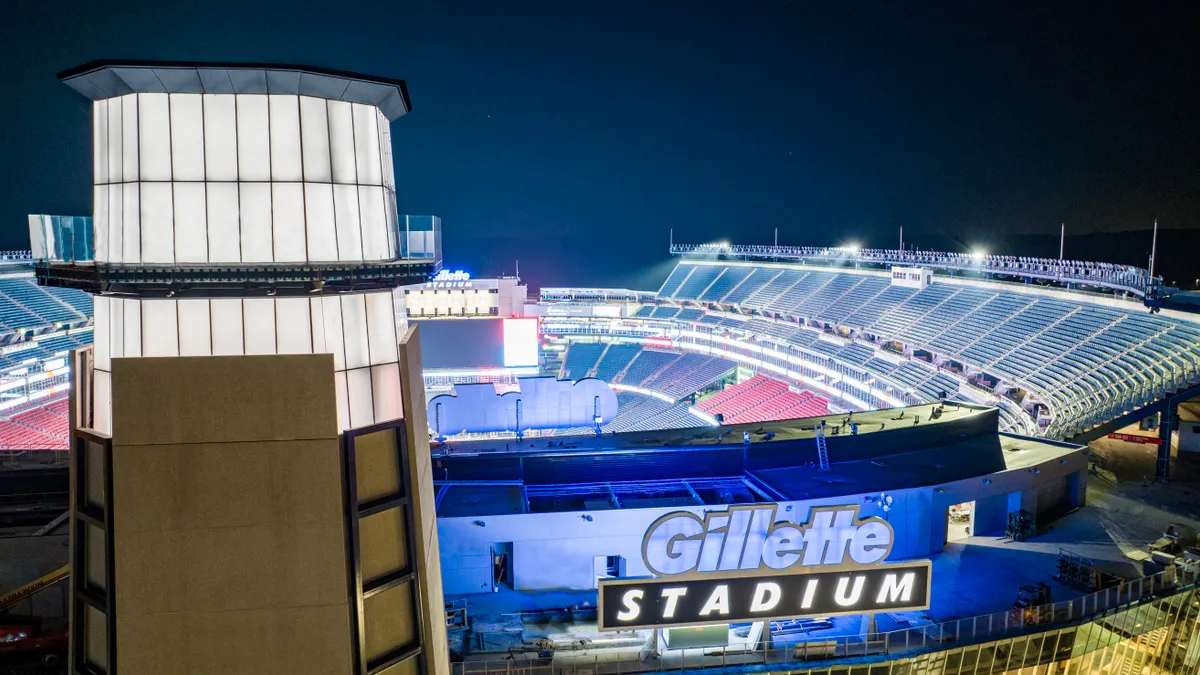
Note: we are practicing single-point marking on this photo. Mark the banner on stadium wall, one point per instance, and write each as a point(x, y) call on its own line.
point(741, 565)
point(1135, 438)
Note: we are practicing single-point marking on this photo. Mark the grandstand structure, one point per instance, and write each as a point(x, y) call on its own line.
point(1065, 349)
point(38, 327)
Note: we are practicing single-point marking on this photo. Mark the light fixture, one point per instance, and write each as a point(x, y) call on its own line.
point(978, 255)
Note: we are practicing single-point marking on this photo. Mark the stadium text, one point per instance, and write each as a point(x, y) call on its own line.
point(748, 538)
point(744, 596)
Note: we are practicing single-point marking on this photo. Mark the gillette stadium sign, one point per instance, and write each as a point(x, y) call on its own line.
point(741, 565)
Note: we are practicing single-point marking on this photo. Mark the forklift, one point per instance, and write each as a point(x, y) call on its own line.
point(1026, 609)
point(1020, 526)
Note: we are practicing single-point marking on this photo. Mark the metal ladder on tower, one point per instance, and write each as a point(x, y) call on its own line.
point(822, 452)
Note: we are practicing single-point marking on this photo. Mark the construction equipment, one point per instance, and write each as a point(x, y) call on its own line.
point(1020, 526)
point(1026, 609)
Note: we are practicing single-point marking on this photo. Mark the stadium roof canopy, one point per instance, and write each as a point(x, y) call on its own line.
point(99, 80)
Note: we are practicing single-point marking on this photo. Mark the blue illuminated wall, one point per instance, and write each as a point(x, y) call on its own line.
point(543, 402)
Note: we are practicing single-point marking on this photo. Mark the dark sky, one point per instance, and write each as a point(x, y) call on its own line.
point(574, 135)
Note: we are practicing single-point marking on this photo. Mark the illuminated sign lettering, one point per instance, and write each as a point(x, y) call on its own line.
point(740, 565)
point(447, 275)
point(748, 538)
point(750, 596)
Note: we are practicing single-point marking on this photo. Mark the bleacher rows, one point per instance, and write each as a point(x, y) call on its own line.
point(676, 375)
point(1085, 360)
point(43, 428)
point(25, 305)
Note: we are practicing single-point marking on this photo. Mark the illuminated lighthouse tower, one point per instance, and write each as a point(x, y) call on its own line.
point(245, 209)
point(252, 489)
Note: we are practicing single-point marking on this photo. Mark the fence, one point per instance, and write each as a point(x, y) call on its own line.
point(898, 643)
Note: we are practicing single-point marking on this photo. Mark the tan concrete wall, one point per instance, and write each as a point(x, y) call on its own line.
point(229, 531)
point(429, 566)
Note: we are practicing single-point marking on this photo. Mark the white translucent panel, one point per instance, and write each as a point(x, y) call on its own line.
point(102, 339)
point(385, 392)
point(220, 137)
point(314, 127)
point(366, 145)
point(343, 400)
point(227, 330)
point(158, 223)
point(358, 390)
point(341, 142)
point(286, 163)
point(154, 143)
point(385, 147)
point(191, 223)
point(115, 323)
point(381, 327)
point(349, 231)
point(116, 220)
point(224, 229)
point(131, 235)
point(100, 142)
point(254, 140)
point(100, 221)
point(288, 218)
point(258, 318)
point(187, 137)
point(256, 222)
point(160, 328)
point(195, 330)
point(317, 325)
point(318, 210)
point(102, 403)
point(129, 137)
point(334, 335)
point(374, 223)
point(115, 146)
point(354, 331)
point(132, 333)
point(293, 330)
point(390, 219)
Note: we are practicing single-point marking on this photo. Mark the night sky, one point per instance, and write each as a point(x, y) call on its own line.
point(574, 135)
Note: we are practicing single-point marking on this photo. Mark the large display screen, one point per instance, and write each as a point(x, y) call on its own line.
point(478, 343)
point(520, 342)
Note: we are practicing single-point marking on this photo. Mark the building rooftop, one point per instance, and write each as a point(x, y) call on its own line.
point(99, 80)
point(691, 467)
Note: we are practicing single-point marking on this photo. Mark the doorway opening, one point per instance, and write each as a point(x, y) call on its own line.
point(960, 521)
point(502, 566)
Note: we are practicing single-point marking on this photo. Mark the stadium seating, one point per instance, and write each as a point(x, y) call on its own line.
point(1086, 360)
point(581, 358)
point(726, 282)
point(646, 365)
point(644, 311)
point(27, 305)
point(44, 428)
point(690, 314)
point(614, 360)
point(762, 399)
point(688, 374)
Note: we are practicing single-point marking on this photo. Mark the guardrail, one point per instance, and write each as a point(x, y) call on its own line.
point(1122, 278)
point(898, 643)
